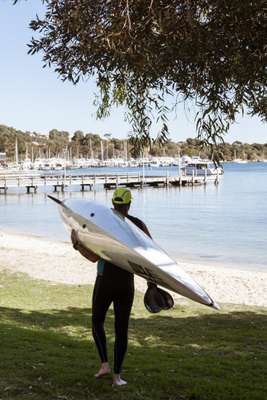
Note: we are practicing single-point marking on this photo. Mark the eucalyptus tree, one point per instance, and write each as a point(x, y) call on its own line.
point(142, 53)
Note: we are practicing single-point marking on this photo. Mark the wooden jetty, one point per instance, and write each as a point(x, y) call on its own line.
point(44, 182)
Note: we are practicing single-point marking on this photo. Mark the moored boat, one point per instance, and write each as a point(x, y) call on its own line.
point(201, 168)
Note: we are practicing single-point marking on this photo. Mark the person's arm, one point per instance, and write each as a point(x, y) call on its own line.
point(77, 245)
point(140, 224)
point(145, 230)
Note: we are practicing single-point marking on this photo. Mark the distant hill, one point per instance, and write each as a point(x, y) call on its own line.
point(92, 145)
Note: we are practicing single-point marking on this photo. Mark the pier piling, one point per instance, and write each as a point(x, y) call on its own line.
point(3, 189)
point(30, 187)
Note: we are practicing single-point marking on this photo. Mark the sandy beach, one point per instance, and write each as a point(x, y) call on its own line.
point(56, 261)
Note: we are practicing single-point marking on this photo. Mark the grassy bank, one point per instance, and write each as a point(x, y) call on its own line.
point(191, 352)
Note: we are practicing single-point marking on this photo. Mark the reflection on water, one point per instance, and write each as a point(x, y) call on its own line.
point(213, 224)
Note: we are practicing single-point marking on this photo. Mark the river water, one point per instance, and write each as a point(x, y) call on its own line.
point(218, 225)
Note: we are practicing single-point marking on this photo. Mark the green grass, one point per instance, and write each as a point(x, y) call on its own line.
point(189, 353)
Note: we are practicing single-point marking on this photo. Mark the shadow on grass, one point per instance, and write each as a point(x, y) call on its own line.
point(51, 355)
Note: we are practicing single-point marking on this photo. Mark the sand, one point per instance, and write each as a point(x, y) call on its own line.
point(57, 261)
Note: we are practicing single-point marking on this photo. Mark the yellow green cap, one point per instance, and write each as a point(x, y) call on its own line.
point(122, 196)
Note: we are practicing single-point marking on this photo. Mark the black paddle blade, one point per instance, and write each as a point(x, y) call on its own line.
point(166, 298)
point(156, 299)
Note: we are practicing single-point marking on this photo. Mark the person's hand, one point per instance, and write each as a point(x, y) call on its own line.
point(74, 239)
point(87, 253)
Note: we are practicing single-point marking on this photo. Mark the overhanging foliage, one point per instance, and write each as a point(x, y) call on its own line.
point(142, 52)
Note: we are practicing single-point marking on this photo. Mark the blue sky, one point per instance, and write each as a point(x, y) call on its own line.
point(35, 99)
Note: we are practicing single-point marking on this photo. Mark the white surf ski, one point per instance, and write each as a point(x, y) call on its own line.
point(118, 240)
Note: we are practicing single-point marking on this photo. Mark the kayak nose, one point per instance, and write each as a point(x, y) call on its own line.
point(215, 305)
point(54, 199)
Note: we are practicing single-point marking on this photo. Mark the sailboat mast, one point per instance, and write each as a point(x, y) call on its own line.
point(16, 151)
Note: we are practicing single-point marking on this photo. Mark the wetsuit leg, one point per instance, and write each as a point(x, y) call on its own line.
point(101, 303)
point(122, 310)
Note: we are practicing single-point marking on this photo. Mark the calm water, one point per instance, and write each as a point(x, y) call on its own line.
point(225, 224)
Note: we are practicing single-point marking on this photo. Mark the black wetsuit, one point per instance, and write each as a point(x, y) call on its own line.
point(113, 285)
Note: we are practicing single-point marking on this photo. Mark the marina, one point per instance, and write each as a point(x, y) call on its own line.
point(58, 175)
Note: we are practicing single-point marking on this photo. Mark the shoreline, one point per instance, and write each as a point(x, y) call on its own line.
point(58, 262)
point(180, 259)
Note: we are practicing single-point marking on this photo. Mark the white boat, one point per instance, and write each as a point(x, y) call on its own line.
point(201, 168)
point(26, 164)
point(166, 161)
point(154, 162)
point(240, 161)
point(48, 164)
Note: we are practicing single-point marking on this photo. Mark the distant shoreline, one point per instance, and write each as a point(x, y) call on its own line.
point(56, 261)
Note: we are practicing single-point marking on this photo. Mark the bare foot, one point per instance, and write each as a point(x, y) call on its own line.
point(104, 370)
point(118, 381)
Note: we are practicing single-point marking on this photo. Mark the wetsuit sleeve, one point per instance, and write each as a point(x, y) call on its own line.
point(88, 254)
point(145, 230)
point(141, 225)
